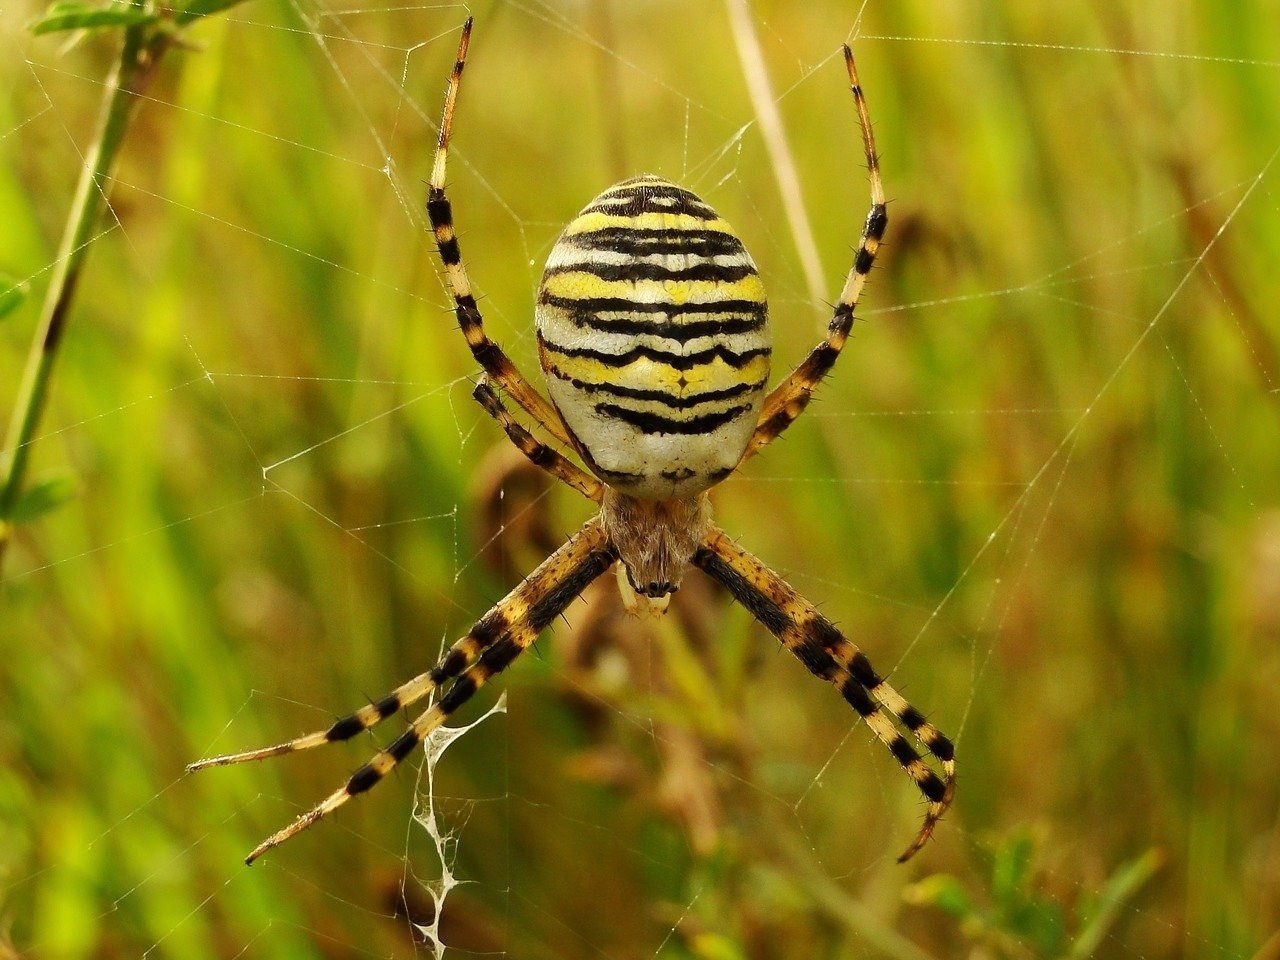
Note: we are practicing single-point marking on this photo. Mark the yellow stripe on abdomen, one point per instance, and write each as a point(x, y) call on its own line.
point(651, 374)
point(583, 285)
point(655, 220)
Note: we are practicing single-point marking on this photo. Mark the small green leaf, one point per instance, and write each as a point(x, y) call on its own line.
point(75, 15)
point(42, 498)
point(202, 8)
point(944, 891)
point(12, 294)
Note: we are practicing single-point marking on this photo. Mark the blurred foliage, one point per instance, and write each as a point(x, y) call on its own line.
point(1019, 920)
point(1041, 488)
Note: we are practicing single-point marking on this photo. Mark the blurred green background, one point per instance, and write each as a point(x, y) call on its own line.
point(1040, 489)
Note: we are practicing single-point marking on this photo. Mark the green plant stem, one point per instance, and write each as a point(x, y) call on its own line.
point(136, 63)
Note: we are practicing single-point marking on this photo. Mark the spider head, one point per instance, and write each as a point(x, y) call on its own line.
point(655, 540)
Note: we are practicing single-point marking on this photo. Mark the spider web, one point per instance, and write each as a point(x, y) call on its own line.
point(383, 83)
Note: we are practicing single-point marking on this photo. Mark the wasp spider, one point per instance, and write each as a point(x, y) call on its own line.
point(653, 333)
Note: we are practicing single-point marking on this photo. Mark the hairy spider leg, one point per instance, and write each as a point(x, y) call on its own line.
point(790, 397)
point(489, 647)
point(439, 210)
point(539, 453)
point(828, 654)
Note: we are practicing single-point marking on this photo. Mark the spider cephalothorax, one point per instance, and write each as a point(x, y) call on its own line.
point(656, 541)
point(652, 329)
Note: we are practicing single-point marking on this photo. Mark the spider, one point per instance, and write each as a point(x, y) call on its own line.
point(653, 333)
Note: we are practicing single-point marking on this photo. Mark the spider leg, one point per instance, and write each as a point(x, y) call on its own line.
point(788, 399)
point(403, 696)
point(828, 654)
point(456, 659)
point(539, 453)
point(440, 211)
point(510, 626)
point(494, 660)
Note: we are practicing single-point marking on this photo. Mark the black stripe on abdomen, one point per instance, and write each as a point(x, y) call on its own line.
point(638, 242)
point(623, 305)
point(643, 270)
point(678, 361)
point(656, 423)
point(681, 332)
point(645, 198)
point(685, 402)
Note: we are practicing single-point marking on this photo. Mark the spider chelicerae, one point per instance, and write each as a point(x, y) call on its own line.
point(653, 333)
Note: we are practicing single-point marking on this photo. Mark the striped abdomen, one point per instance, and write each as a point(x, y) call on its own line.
point(653, 331)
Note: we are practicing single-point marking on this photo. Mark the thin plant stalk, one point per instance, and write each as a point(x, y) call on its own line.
point(785, 172)
point(775, 141)
point(134, 67)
